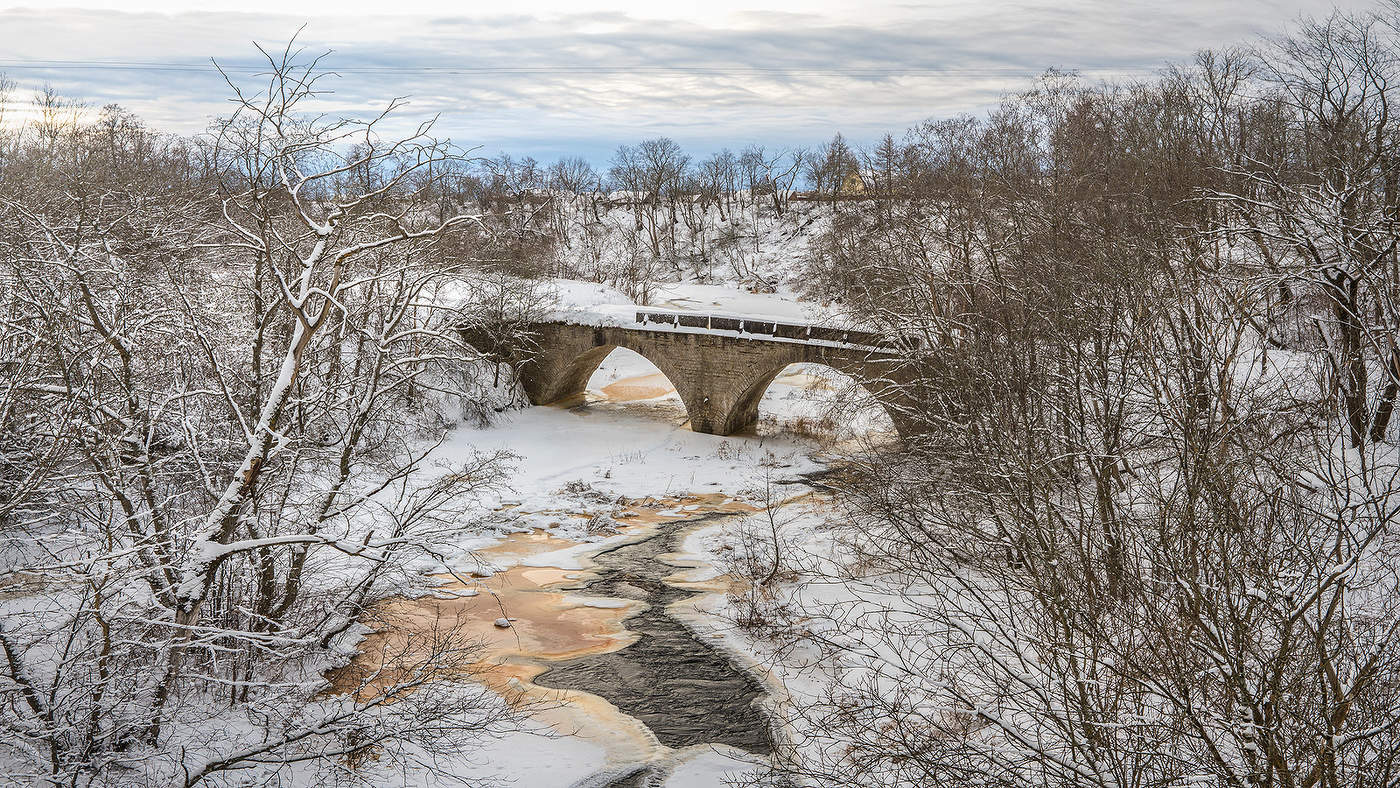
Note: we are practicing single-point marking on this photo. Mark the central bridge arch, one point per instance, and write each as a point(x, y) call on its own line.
point(573, 375)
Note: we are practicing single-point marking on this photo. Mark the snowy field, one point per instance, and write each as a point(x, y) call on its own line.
point(636, 443)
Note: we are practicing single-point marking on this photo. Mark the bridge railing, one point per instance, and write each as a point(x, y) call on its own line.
point(773, 328)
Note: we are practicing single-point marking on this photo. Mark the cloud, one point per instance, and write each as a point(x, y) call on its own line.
point(557, 82)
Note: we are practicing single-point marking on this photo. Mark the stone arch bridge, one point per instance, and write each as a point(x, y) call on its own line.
point(720, 365)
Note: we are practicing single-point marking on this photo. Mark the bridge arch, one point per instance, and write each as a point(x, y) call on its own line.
point(576, 372)
point(566, 357)
point(744, 412)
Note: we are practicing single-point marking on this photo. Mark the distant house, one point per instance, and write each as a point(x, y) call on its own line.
point(853, 184)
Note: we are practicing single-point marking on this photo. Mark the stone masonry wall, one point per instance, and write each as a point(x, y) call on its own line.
point(719, 378)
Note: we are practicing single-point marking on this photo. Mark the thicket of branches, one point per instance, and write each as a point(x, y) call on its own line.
point(223, 364)
point(656, 213)
point(1147, 535)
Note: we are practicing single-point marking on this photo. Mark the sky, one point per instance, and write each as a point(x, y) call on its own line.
point(551, 77)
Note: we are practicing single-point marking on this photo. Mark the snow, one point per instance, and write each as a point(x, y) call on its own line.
point(709, 766)
point(783, 306)
point(589, 303)
point(632, 450)
point(577, 294)
point(620, 453)
point(572, 557)
point(536, 757)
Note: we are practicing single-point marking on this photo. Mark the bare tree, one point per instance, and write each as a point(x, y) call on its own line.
point(1320, 209)
point(223, 372)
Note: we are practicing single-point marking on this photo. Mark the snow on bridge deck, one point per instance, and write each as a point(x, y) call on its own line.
point(763, 317)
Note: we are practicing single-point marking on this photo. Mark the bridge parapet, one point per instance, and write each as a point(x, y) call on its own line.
point(765, 327)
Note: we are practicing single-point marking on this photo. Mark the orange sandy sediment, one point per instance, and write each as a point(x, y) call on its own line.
point(650, 511)
point(639, 387)
point(521, 545)
point(545, 627)
point(643, 387)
